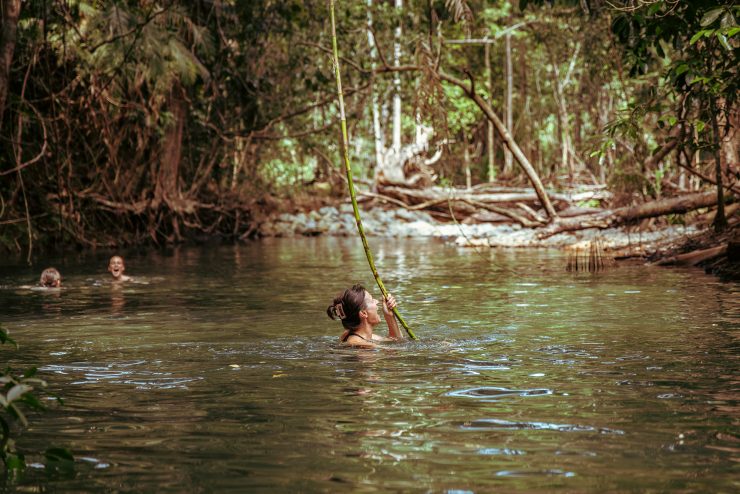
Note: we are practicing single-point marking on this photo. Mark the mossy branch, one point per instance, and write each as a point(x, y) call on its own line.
point(348, 168)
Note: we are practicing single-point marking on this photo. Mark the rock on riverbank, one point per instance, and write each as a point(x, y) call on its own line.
point(398, 223)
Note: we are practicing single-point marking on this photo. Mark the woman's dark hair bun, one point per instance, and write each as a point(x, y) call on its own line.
point(347, 306)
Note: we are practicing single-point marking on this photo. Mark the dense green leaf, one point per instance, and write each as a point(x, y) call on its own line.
point(697, 37)
point(5, 338)
point(681, 68)
point(30, 372)
point(15, 462)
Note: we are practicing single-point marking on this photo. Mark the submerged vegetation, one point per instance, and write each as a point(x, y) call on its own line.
point(130, 122)
point(20, 390)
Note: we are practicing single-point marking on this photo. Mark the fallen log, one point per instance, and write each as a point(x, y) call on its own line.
point(694, 257)
point(497, 194)
point(472, 205)
point(435, 193)
point(608, 219)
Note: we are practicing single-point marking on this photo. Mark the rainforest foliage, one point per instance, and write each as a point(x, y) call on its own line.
point(126, 122)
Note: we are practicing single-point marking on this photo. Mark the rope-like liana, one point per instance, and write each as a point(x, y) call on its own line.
point(348, 168)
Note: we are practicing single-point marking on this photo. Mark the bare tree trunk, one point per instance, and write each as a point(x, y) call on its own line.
point(508, 160)
point(11, 10)
point(489, 126)
point(167, 188)
point(720, 222)
point(508, 140)
point(559, 87)
point(466, 158)
point(397, 83)
point(729, 124)
point(377, 130)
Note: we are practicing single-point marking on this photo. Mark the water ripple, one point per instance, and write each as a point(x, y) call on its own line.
point(490, 393)
point(500, 424)
point(501, 451)
point(142, 379)
point(529, 473)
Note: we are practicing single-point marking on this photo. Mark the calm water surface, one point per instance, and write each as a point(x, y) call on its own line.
point(219, 372)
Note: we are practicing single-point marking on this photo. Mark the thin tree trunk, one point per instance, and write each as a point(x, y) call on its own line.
point(522, 127)
point(466, 158)
point(489, 125)
point(508, 140)
point(377, 130)
point(720, 222)
point(508, 160)
point(11, 10)
point(167, 187)
point(397, 82)
point(559, 87)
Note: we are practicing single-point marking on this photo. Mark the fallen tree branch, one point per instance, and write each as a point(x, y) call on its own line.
point(434, 202)
point(607, 219)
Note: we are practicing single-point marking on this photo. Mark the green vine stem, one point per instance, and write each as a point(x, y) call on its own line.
point(348, 168)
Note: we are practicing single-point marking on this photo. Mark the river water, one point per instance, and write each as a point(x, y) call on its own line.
point(217, 370)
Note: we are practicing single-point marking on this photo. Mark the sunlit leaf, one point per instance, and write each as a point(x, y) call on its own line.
point(35, 381)
point(723, 41)
point(17, 391)
point(711, 16)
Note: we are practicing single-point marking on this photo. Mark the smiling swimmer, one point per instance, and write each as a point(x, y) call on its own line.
point(116, 268)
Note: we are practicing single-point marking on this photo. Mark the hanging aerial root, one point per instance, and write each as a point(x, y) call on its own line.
point(588, 256)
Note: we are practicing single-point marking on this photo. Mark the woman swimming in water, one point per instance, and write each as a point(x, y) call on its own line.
point(358, 311)
point(50, 278)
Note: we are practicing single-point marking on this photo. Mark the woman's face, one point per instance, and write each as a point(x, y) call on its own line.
point(116, 266)
point(371, 306)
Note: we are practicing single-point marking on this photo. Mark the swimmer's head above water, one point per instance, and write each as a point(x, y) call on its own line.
point(358, 311)
point(116, 267)
point(50, 278)
point(347, 306)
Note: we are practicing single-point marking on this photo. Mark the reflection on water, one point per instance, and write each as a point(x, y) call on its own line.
point(218, 371)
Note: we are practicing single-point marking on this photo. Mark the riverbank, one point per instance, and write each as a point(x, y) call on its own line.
point(650, 241)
